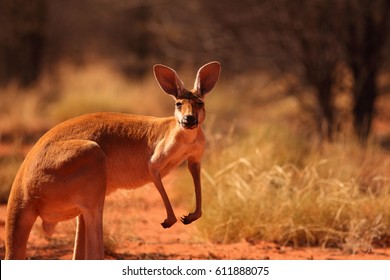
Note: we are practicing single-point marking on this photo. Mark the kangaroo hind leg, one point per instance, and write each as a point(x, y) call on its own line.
point(19, 222)
point(90, 233)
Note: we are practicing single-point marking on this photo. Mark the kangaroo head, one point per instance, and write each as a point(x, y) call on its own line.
point(189, 104)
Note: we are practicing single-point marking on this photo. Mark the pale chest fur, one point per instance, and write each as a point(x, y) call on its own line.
point(174, 150)
point(128, 168)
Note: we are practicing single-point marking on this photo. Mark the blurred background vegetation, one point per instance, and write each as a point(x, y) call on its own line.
point(323, 49)
point(304, 88)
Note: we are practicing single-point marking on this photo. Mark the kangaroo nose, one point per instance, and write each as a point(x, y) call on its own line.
point(189, 121)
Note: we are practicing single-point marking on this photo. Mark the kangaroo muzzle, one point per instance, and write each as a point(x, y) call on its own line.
point(189, 122)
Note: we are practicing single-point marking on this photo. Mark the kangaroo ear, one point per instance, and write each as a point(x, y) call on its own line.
point(168, 80)
point(207, 76)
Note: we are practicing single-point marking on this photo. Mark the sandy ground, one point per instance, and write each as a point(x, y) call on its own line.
point(133, 231)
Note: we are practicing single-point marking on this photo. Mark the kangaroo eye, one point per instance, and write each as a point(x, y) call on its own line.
point(178, 105)
point(200, 104)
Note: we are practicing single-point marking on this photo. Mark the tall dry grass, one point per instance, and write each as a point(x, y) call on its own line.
point(274, 185)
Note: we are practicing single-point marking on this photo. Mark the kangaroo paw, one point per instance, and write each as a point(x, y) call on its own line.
point(188, 219)
point(168, 223)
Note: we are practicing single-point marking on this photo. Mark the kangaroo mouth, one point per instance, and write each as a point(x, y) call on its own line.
point(189, 124)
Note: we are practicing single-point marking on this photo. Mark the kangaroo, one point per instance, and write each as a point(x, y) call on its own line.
point(72, 167)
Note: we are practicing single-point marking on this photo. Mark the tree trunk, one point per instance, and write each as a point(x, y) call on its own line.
point(22, 40)
point(364, 106)
point(364, 44)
